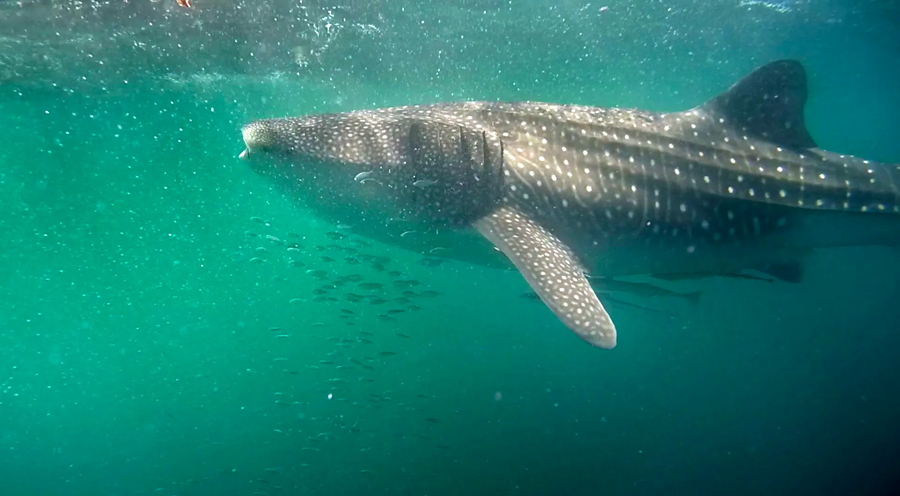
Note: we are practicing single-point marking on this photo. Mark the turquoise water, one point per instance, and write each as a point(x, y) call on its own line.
point(144, 350)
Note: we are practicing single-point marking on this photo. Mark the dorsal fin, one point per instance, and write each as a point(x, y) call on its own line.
point(768, 103)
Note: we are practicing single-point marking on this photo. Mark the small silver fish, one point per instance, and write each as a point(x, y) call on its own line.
point(424, 183)
point(362, 175)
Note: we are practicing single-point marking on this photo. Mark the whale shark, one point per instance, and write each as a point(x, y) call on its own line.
point(565, 193)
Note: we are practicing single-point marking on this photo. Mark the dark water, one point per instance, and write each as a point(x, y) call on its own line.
point(137, 349)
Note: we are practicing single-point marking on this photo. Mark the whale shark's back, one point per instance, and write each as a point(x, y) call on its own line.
point(747, 144)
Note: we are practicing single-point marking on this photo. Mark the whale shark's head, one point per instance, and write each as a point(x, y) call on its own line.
point(399, 163)
point(322, 144)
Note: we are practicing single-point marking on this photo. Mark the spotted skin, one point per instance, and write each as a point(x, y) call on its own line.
point(563, 190)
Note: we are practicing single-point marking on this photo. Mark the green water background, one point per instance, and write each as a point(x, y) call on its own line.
point(135, 350)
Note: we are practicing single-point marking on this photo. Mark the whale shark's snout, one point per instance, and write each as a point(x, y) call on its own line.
point(256, 137)
point(272, 136)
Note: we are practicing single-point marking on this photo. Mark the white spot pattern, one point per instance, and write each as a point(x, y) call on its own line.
point(552, 272)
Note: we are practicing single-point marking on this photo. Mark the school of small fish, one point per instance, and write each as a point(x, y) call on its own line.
point(368, 295)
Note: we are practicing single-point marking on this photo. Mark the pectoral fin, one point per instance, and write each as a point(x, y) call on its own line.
point(552, 272)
